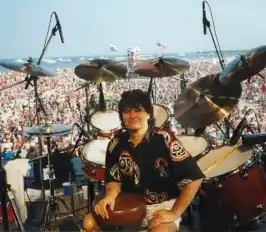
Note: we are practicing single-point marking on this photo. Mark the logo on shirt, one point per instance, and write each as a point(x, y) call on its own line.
point(154, 197)
point(177, 151)
point(128, 167)
point(115, 172)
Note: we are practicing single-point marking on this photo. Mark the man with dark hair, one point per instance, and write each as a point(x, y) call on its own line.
point(148, 161)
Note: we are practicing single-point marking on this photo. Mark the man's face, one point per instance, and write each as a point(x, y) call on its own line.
point(135, 118)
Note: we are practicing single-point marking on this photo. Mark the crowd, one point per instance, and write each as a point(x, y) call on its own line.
point(65, 103)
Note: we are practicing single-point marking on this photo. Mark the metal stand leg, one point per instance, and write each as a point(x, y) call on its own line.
point(51, 216)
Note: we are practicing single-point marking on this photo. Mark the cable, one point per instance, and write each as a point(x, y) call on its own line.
point(256, 117)
point(215, 33)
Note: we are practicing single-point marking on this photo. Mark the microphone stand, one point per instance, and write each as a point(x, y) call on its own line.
point(150, 90)
point(183, 86)
point(39, 106)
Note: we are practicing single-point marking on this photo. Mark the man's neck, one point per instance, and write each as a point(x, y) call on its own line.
point(137, 136)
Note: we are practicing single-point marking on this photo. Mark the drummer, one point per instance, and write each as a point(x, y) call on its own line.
point(148, 161)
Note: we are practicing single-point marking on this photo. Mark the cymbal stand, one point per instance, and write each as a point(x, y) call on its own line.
point(51, 207)
point(87, 113)
point(38, 102)
point(183, 86)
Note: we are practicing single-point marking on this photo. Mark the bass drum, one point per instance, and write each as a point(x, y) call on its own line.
point(234, 188)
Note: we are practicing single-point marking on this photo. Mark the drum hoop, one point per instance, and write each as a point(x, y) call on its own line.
point(98, 129)
point(167, 113)
point(93, 164)
point(246, 165)
point(89, 162)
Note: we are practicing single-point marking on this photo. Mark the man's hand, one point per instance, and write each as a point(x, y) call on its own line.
point(101, 206)
point(162, 216)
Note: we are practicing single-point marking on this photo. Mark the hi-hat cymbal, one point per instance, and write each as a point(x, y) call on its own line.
point(29, 68)
point(100, 70)
point(161, 67)
point(206, 101)
point(47, 130)
point(244, 66)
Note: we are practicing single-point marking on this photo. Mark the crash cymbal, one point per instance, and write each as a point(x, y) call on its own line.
point(29, 68)
point(47, 130)
point(244, 66)
point(206, 101)
point(100, 70)
point(161, 67)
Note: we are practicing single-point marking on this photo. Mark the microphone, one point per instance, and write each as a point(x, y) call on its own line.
point(59, 27)
point(85, 133)
point(238, 132)
point(204, 18)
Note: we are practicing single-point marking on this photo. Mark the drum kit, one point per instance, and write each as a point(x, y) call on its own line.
point(234, 190)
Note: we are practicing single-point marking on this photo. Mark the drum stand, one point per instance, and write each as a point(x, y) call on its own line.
point(51, 211)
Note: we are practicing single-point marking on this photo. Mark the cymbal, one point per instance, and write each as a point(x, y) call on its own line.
point(161, 67)
point(206, 101)
point(100, 70)
point(28, 68)
point(245, 66)
point(47, 130)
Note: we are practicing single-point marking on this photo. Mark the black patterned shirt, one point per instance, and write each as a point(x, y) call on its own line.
point(158, 167)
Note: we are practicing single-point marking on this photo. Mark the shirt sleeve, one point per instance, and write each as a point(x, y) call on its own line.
point(112, 171)
point(183, 167)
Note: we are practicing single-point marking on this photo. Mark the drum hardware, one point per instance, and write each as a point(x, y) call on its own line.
point(51, 213)
point(254, 139)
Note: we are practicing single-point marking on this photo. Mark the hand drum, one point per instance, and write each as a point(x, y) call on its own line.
point(129, 209)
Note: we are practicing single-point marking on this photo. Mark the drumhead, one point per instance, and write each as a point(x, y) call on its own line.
point(106, 121)
point(224, 160)
point(160, 115)
point(194, 145)
point(95, 151)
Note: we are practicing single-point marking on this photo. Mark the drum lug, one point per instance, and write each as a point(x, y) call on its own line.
point(244, 174)
point(260, 207)
point(235, 217)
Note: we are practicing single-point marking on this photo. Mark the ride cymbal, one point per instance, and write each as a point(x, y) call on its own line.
point(244, 66)
point(206, 101)
point(161, 67)
point(29, 68)
point(100, 70)
point(47, 130)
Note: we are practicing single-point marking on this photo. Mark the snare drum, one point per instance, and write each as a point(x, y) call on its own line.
point(105, 123)
point(161, 115)
point(94, 159)
point(193, 144)
point(235, 185)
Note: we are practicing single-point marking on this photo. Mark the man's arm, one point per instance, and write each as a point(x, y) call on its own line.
point(112, 171)
point(186, 196)
point(112, 189)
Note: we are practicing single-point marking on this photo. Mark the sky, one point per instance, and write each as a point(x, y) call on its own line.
point(90, 26)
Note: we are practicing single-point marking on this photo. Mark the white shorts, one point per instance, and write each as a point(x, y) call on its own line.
point(152, 209)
